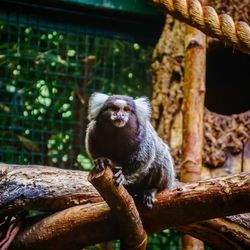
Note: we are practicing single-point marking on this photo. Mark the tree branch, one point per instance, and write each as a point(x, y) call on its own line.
point(225, 233)
point(132, 233)
point(91, 223)
point(43, 188)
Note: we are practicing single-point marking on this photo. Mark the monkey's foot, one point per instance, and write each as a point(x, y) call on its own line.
point(148, 198)
point(101, 163)
point(119, 177)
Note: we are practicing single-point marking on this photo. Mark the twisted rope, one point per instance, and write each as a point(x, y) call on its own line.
point(205, 18)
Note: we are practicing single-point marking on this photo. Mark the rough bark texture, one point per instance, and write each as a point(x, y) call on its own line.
point(167, 77)
point(229, 233)
point(131, 231)
point(238, 10)
point(223, 135)
point(91, 223)
point(43, 176)
point(44, 188)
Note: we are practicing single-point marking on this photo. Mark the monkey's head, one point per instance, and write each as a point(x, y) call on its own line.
point(119, 110)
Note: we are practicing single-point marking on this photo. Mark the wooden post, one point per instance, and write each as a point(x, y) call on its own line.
point(194, 92)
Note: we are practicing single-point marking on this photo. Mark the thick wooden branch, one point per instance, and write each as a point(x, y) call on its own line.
point(91, 223)
point(43, 188)
point(132, 233)
point(232, 232)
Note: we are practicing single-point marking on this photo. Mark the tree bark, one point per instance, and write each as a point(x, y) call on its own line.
point(232, 232)
point(131, 231)
point(43, 188)
point(193, 109)
point(91, 223)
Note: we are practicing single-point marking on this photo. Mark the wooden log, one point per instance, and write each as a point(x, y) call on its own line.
point(87, 224)
point(43, 188)
point(132, 233)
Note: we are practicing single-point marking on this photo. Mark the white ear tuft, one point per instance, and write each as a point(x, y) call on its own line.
point(96, 102)
point(143, 110)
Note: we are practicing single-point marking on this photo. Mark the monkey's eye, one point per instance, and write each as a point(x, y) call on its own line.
point(126, 109)
point(114, 108)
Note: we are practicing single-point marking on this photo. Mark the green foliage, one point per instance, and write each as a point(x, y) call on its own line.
point(46, 77)
point(167, 239)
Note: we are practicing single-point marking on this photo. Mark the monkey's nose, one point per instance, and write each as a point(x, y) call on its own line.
point(120, 115)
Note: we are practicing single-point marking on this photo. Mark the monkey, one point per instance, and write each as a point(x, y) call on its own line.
point(119, 130)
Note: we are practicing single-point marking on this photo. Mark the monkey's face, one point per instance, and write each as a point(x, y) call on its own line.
point(119, 112)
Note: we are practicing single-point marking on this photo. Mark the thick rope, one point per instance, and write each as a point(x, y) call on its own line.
point(205, 18)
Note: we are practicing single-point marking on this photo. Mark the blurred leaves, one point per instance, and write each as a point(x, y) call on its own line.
point(43, 74)
point(31, 146)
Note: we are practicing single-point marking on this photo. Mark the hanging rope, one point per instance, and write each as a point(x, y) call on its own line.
point(205, 18)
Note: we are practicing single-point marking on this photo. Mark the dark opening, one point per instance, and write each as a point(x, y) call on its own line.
point(227, 81)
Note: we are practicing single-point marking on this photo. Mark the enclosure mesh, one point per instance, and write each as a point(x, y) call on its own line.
point(47, 72)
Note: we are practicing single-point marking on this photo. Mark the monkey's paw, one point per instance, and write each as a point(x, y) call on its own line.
point(101, 163)
point(118, 177)
point(148, 198)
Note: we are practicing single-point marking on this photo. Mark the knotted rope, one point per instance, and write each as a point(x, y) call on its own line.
point(205, 18)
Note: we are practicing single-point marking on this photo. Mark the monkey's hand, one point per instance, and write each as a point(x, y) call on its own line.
point(119, 177)
point(101, 162)
point(148, 198)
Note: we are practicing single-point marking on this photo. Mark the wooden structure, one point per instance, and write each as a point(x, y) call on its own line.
point(226, 138)
point(204, 144)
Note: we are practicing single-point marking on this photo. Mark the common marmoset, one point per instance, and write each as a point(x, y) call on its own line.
point(120, 130)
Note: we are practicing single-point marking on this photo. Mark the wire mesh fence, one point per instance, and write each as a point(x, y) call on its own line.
point(46, 75)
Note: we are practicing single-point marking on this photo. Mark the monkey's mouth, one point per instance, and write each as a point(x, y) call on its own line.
point(119, 123)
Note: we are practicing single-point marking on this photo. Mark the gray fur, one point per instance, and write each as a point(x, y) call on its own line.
point(153, 153)
point(143, 109)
